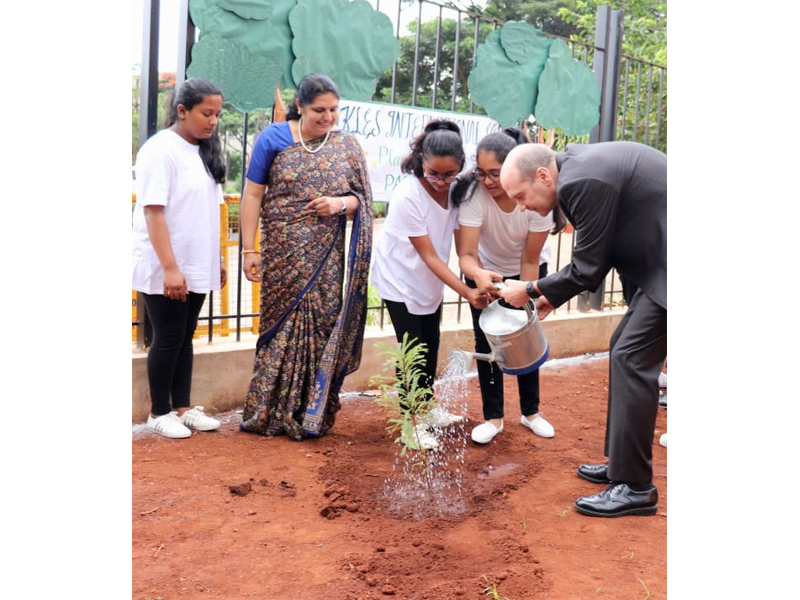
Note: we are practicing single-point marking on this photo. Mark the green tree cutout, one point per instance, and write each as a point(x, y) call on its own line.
point(519, 72)
point(408, 400)
point(249, 47)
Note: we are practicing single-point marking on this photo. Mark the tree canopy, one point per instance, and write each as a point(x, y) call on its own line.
point(644, 22)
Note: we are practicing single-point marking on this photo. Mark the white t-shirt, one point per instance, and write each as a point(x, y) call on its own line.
point(170, 173)
point(503, 234)
point(398, 272)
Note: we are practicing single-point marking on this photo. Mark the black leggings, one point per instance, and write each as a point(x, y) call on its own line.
point(170, 358)
point(423, 327)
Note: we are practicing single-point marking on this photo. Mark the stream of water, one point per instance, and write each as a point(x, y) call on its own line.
point(429, 484)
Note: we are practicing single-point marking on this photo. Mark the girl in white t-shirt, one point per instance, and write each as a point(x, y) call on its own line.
point(410, 256)
point(498, 242)
point(176, 257)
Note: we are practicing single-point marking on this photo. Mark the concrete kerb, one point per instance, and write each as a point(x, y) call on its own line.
point(222, 369)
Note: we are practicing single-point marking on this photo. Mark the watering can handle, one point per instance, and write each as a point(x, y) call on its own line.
point(530, 307)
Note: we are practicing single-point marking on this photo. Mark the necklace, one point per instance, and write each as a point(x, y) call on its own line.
point(302, 143)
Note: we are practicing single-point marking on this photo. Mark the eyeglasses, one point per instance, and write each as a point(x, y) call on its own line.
point(481, 175)
point(435, 177)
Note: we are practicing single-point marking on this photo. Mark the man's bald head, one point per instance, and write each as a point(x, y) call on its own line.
point(529, 176)
point(529, 157)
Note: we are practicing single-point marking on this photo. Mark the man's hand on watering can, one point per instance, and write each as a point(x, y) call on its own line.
point(514, 293)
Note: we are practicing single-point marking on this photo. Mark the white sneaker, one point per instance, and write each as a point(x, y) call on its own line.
point(662, 380)
point(421, 439)
point(485, 432)
point(663, 440)
point(539, 426)
point(196, 419)
point(439, 417)
point(168, 425)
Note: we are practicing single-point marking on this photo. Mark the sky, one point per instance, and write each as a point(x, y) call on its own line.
point(168, 34)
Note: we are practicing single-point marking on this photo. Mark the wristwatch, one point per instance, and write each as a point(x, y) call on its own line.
point(343, 210)
point(531, 291)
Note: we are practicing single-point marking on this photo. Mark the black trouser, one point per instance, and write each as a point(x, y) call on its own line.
point(490, 377)
point(425, 328)
point(637, 352)
point(170, 357)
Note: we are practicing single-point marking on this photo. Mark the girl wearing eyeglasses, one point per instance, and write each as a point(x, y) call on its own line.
point(410, 257)
point(498, 241)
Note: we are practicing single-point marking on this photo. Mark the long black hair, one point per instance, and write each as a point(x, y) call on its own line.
point(310, 86)
point(500, 143)
point(192, 92)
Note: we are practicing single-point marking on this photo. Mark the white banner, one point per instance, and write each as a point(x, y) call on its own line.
point(386, 130)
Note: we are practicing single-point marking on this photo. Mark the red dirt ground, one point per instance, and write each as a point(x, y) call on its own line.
point(310, 520)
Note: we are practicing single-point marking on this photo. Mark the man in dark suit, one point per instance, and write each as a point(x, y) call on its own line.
point(615, 196)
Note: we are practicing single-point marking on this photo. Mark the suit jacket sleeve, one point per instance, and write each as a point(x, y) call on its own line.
point(592, 205)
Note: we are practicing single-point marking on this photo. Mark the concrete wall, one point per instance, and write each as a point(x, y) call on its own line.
point(222, 369)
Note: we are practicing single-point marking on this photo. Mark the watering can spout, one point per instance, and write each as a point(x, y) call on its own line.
point(474, 355)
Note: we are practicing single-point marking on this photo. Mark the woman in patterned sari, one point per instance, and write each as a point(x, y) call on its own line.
point(303, 181)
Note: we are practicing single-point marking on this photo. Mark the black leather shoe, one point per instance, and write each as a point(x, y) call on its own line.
point(594, 473)
point(619, 500)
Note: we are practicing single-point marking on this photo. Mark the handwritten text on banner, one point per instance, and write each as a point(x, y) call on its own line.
point(386, 130)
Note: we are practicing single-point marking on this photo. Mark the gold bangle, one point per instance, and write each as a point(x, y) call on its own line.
point(251, 252)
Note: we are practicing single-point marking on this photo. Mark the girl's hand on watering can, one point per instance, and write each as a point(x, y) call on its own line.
point(485, 281)
point(543, 307)
point(514, 293)
point(477, 298)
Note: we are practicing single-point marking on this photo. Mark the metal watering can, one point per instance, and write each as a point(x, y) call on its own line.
point(518, 343)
